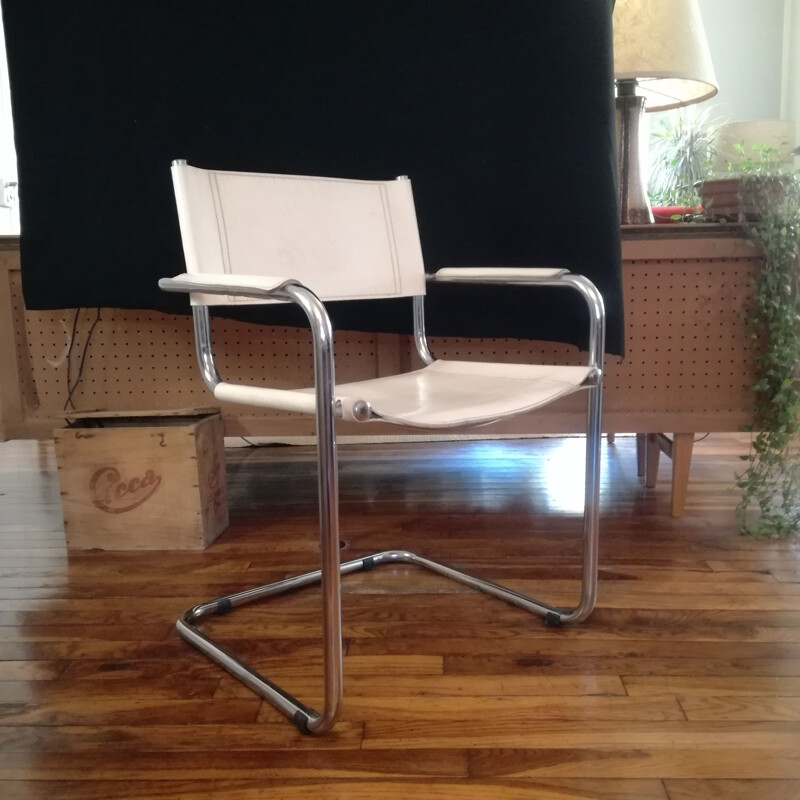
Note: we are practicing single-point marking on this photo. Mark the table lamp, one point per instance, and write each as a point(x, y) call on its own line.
point(661, 61)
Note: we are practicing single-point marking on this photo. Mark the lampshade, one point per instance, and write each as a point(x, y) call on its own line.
point(662, 45)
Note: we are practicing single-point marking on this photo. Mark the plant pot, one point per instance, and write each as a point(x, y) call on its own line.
point(673, 214)
point(740, 199)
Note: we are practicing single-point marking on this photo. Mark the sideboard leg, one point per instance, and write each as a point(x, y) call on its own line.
point(641, 453)
point(682, 444)
point(653, 451)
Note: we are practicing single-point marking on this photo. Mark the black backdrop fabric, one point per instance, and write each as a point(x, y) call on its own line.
point(500, 111)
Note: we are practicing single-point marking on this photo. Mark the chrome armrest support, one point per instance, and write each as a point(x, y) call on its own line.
point(203, 348)
point(420, 339)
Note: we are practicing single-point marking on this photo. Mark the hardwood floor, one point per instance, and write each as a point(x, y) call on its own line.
point(683, 685)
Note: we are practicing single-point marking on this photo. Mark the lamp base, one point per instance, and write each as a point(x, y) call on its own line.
point(634, 204)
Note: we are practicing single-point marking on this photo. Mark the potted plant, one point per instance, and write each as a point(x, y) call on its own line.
point(770, 486)
point(681, 151)
point(760, 191)
point(753, 185)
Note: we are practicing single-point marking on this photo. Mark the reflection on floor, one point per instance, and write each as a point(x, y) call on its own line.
point(683, 685)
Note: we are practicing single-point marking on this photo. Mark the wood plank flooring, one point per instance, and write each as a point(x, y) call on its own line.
point(683, 685)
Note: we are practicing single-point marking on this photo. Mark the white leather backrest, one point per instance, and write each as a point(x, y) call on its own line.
point(344, 239)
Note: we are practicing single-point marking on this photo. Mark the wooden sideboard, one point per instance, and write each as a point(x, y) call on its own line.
point(688, 368)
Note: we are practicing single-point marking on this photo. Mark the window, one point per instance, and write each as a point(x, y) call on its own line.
point(9, 205)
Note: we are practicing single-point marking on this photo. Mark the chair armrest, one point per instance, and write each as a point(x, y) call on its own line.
point(267, 288)
point(496, 275)
point(542, 276)
point(256, 286)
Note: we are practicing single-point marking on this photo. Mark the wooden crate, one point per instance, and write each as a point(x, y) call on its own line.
point(142, 481)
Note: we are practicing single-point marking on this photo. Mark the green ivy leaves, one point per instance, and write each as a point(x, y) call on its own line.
point(770, 486)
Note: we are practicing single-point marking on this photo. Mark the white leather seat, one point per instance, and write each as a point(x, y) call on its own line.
point(260, 238)
point(447, 394)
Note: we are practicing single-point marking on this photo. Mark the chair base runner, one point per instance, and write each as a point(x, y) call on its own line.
point(301, 715)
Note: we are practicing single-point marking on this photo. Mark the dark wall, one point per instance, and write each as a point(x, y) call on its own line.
point(500, 111)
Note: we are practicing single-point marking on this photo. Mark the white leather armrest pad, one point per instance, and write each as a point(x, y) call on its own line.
point(224, 284)
point(498, 274)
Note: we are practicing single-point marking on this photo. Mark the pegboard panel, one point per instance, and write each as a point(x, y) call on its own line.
point(688, 341)
point(689, 363)
point(140, 360)
point(688, 347)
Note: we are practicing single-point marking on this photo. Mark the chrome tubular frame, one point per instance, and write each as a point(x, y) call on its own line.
point(307, 719)
point(203, 348)
point(420, 339)
point(594, 411)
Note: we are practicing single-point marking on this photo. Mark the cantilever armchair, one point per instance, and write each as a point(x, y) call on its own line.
point(260, 238)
